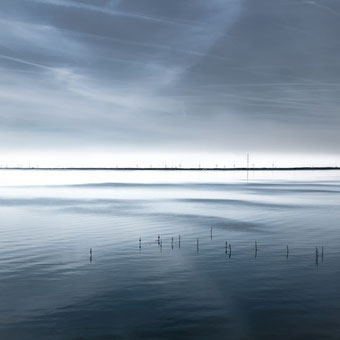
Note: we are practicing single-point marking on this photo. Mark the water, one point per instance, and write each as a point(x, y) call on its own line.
point(51, 288)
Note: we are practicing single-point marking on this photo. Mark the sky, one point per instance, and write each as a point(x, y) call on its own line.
point(159, 82)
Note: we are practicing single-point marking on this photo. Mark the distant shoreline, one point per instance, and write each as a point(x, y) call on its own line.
point(179, 169)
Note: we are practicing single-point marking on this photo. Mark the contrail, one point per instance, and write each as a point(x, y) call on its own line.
point(118, 13)
point(123, 41)
point(138, 43)
point(22, 61)
point(326, 8)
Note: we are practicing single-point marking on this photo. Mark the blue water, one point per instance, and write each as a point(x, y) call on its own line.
point(51, 287)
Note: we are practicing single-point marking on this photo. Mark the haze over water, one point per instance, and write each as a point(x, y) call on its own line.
point(50, 287)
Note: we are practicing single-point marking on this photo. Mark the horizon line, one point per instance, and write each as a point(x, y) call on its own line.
point(178, 168)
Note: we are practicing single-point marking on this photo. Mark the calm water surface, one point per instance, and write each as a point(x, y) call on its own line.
point(50, 287)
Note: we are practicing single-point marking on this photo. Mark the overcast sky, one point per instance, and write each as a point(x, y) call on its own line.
point(100, 77)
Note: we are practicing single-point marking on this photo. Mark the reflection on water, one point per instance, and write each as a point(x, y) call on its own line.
point(169, 255)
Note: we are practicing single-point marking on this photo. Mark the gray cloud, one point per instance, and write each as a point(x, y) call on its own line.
point(195, 75)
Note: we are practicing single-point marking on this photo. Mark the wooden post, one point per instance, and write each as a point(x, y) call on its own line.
point(316, 256)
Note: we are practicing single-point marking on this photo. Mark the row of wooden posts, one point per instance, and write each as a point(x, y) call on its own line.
point(227, 246)
point(160, 243)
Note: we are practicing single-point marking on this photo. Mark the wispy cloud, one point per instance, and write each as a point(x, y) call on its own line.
point(172, 74)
